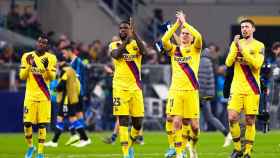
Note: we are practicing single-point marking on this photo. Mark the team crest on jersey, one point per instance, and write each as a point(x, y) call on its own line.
point(129, 57)
point(182, 59)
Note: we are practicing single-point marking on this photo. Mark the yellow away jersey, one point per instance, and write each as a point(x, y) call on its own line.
point(184, 60)
point(247, 66)
point(127, 75)
point(37, 76)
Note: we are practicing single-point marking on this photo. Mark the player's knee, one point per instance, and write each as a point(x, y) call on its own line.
point(186, 121)
point(195, 128)
point(27, 124)
point(42, 125)
point(177, 124)
point(250, 119)
point(124, 120)
point(232, 117)
point(169, 118)
point(137, 123)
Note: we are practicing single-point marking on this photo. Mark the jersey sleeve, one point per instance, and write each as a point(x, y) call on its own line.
point(231, 55)
point(62, 82)
point(167, 45)
point(255, 60)
point(112, 46)
point(136, 47)
point(197, 36)
point(52, 67)
point(24, 68)
point(64, 76)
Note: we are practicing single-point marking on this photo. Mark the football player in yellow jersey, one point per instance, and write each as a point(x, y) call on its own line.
point(183, 100)
point(127, 87)
point(38, 68)
point(247, 56)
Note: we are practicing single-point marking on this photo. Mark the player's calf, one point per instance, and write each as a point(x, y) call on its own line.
point(28, 133)
point(136, 127)
point(124, 138)
point(59, 127)
point(84, 140)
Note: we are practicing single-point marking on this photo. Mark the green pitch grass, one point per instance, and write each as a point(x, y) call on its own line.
point(13, 146)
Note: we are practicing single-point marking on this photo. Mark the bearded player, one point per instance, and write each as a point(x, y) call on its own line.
point(127, 87)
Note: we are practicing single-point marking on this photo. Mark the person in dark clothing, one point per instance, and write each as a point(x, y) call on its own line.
point(206, 79)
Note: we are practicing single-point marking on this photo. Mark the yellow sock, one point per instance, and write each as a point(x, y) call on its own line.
point(194, 138)
point(123, 131)
point(178, 141)
point(170, 133)
point(133, 134)
point(186, 135)
point(28, 136)
point(249, 138)
point(42, 133)
point(235, 132)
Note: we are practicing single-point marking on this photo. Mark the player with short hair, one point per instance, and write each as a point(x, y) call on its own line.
point(38, 68)
point(68, 91)
point(247, 56)
point(183, 100)
point(79, 67)
point(127, 87)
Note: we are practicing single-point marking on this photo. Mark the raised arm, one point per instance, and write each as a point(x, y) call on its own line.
point(176, 38)
point(233, 51)
point(197, 36)
point(139, 41)
point(231, 55)
point(140, 44)
point(167, 45)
